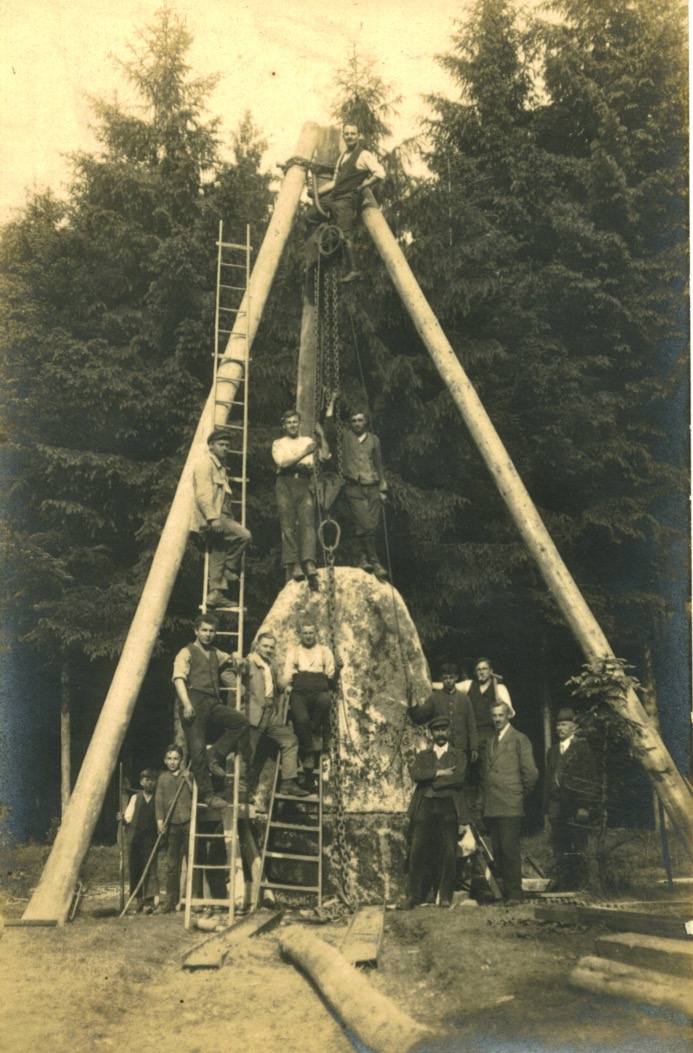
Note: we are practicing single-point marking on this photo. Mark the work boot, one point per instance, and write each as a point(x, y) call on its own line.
point(292, 789)
point(231, 577)
point(365, 564)
point(311, 571)
point(379, 571)
point(215, 801)
point(216, 598)
point(215, 763)
point(294, 572)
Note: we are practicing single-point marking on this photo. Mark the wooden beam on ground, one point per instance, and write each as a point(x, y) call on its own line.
point(644, 986)
point(376, 1021)
point(676, 795)
point(52, 896)
point(210, 954)
point(650, 924)
point(649, 952)
point(361, 943)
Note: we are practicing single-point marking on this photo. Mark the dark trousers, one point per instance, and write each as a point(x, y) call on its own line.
point(273, 730)
point(433, 848)
point(141, 846)
point(505, 845)
point(364, 507)
point(177, 837)
point(569, 844)
point(235, 737)
point(296, 518)
point(225, 550)
point(310, 708)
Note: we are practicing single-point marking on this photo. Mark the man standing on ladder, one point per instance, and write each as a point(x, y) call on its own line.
point(365, 486)
point(213, 515)
point(196, 679)
point(310, 671)
point(356, 170)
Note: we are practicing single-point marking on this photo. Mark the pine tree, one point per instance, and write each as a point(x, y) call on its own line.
point(107, 337)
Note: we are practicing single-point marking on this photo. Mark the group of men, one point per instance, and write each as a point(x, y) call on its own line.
point(296, 456)
point(480, 770)
point(363, 490)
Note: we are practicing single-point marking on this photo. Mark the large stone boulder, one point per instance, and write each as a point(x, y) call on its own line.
point(383, 666)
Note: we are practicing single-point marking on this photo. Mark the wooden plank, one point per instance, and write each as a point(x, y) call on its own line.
point(669, 926)
point(361, 943)
point(643, 986)
point(648, 952)
point(210, 954)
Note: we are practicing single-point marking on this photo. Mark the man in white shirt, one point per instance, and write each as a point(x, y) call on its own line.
point(213, 516)
point(310, 670)
point(294, 459)
point(356, 170)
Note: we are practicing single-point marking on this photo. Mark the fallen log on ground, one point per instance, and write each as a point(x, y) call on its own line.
point(644, 986)
point(367, 1013)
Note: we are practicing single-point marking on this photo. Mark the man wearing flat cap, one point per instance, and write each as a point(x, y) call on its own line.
point(449, 701)
point(437, 811)
point(213, 516)
point(571, 801)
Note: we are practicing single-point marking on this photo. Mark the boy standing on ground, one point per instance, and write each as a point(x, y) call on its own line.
point(140, 820)
point(178, 828)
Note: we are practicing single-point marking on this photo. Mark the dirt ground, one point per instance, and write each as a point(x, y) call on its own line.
point(485, 978)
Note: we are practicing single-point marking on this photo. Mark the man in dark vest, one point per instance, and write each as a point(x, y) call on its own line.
point(571, 799)
point(449, 701)
point(436, 812)
point(196, 672)
point(355, 171)
point(365, 488)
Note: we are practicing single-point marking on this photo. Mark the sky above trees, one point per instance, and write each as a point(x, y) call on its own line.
point(277, 61)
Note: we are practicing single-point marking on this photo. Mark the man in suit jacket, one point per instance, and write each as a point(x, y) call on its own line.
point(571, 797)
point(263, 711)
point(509, 776)
point(436, 812)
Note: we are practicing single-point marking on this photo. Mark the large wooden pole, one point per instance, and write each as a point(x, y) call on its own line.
point(51, 899)
point(673, 791)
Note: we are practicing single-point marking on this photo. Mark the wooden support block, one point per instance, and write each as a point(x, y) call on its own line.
point(667, 925)
point(210, 954)
point(649, 952)
point(644, 986)
point(361, 943)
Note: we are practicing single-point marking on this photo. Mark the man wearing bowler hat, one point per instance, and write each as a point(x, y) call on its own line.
point(571, 799)
point(213, 516)
point(436, 812)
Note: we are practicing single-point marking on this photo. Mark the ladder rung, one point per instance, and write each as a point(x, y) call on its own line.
point(210, 866)
point(230, 358)
point(198, 902)
point(233, 610)
point(231, 288)
point(291, 888)
point(291, 855)
point(311, 799)
point(296, 826)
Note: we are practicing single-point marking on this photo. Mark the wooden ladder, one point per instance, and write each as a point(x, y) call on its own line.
point(305, 817)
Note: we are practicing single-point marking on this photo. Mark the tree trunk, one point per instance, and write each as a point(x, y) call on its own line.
point(644, 738)
point(368, 1014)
point(51, 898)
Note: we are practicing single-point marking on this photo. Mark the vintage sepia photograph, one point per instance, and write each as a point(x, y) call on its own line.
point(346, 642)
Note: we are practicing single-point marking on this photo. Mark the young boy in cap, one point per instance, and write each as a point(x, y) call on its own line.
point(178, 827)
point(436, 812)
point(140, 820)
point(213, 516)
